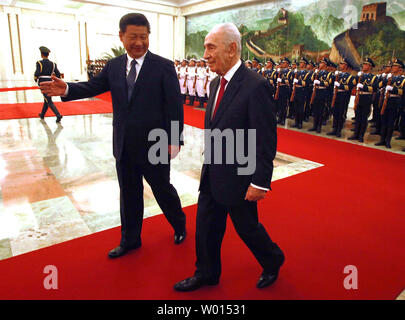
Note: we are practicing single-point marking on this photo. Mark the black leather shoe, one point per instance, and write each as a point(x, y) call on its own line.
point(41, 116)
point(332, 133)
point(58, 119)
point(361, 139)
point(353, 137)
point(267, 279)
point(193, 283)
point(120, 251)
point(312, 129)
point(179, 237)
point(400, 138)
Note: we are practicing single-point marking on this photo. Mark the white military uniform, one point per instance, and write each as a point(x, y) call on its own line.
point(191, 77)
point(211, 76)
point(182, 79)
point(201, 78)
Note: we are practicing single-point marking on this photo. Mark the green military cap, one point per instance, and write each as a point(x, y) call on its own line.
point(397, 62)
point(369, 61)
point(44, 49)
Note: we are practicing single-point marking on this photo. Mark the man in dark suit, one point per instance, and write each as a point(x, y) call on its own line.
point(45, 68)
point(146, 96)
point(241, 102)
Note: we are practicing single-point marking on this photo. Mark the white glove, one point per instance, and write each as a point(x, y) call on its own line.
point(384, 75)
point(278, 70)
point(316, 82)
point(295, 80)
point(359, 86)
point(389, 75)
point(360, 73)
point(295, 70)
point(279, 80)
point(337, 84)
point(336, 73)
point(389, 88)
point(316, 70)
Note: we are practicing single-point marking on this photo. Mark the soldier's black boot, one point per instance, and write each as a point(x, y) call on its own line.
point(356, 133)
point(363, 128)
point(320, 123)
point(334, 126)
point(383, 136)
point(191, 101)
point(388, 138)
point(315, 125)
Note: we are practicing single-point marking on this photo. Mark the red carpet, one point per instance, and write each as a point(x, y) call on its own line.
point(18, 89)
point(31, 110)
point(349, 212)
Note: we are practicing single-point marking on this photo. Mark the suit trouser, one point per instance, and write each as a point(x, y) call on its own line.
point(210, 230)
point(130, 178)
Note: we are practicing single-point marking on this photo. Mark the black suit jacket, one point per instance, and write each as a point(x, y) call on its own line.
point(155, 102)
point(247, 104)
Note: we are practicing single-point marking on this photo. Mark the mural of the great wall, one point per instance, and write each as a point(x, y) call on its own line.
point(350, 29)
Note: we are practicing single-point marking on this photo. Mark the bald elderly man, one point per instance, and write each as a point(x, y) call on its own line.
point(240, 101)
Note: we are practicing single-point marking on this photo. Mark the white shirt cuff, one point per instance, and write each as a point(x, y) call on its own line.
point(66, 91)
point(257, 187)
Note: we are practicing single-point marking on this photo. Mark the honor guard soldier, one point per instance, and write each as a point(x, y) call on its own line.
point(331, 67)
point(319, 94)
point(379, 97)
point(393, 102)
point(200, 83)
point(183, 79)
point(269, 73)
point(402, 118)
point(177, 66)
point(248, 64)
point(211, 76)
point(308, 91)
point(282, 93)
point(191, 80)
point(344, 82)
point(366, 88)
point(298, 97)
point(291, 110)
point(43, 72)
point(256, 66)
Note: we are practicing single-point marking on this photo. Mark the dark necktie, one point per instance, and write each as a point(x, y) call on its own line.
point(131, 78)
point(220, 95)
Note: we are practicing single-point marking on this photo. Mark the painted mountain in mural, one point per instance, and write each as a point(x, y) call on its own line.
point(314, 28)
point(380, 40)
point(285, 32)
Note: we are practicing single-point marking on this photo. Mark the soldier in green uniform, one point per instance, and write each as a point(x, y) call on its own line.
point(321, 83)
point(393, 102)
point(298, 97)
point(382, 78)
point(344, 82)
point(44, 69)
point(366, 88)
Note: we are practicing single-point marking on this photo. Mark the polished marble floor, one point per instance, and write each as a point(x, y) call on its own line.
point(58, 182)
